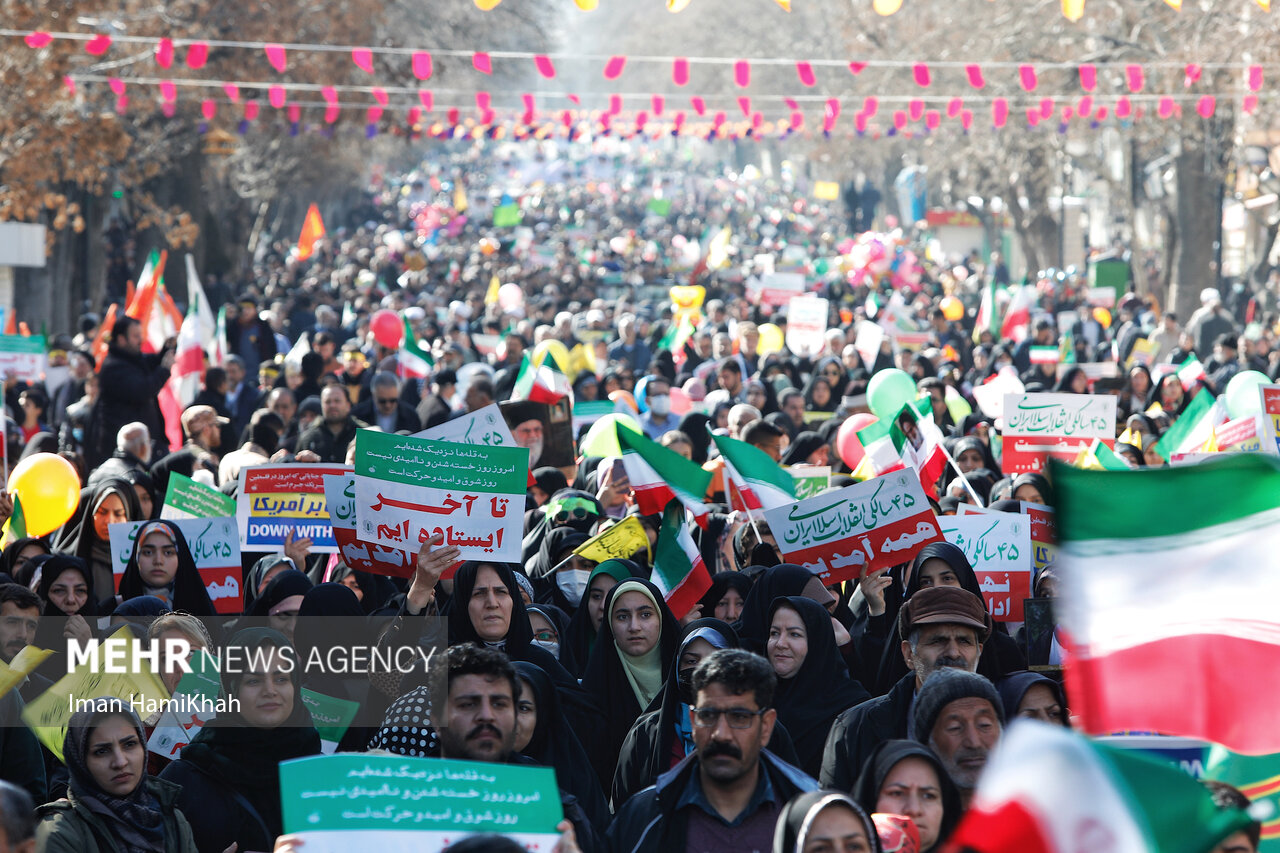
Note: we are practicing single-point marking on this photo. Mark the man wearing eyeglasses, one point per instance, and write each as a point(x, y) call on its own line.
point(728, 793)
point(385, 410)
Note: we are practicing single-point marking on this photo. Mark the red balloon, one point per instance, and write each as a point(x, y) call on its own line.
point(847, 444)
point(387, 327)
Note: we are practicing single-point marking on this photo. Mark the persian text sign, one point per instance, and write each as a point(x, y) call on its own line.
point(353, 801)
point(863, 527)
point(484, 426)
point(185, 498)
point(998, 545)
point(1271, 406)
point(340, 495)
point(410, 489)
point(215, 547)
point(1039, 426)
point(276, 500)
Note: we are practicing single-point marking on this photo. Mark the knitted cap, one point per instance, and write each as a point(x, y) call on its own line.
point(946, 686)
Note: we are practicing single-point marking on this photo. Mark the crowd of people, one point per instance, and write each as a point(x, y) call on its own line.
point(778, 713)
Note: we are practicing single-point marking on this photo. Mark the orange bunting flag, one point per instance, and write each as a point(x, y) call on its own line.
point(11, 323)
point(100, 342)
point(312, 233)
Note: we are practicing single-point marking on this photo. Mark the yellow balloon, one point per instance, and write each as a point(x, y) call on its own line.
point(486, 5)
point(587, 5)
point(771, 340)
point(952, 308)
point(48, 488)
point(559, 354)
point(677, 5)
point(886, 7)
point(688, 296)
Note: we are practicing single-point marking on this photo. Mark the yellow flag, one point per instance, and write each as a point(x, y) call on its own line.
point(1131, 436)
point(617, 543)
point(491, 295)
point(460, 198)
point(1154, 409)
point(22, 665)
point(718, 249)
point(826, 190)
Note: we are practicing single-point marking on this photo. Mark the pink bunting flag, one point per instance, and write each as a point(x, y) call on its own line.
point(363, 58)
point(427, 99)
point(830, 112)
point(614, 67)
point(804, 71)
point(97, 45)
point(168, 91)
point(117, 86)
point(1206, 106)
point(856, 68)
point(380, 95)
point(1027, 77)
point(699, 106)
point(1085, 106)
point(860, 122)
point(275, 55)
point(932, 118)
point(250, 110)
point(742, 73)
point(999, 112)
point(1067, 113)
point(373, 115)
point(1101, 114)
point(164, 52)
point(744, 104)
point(1192, 75)
point(719, 120)
point(1255, 78)
point(575, 100)
point(232, 91)
point(452, 115)
point(1166, 107)
point(545, 66)
point(680, 71)
point(954, 106)
point(1134, 77)
point(1046, 108)
point(899, 119)
point(1088, 77)
point(168, 108)
point(481, 62)
point(276, 96)
point(615, 105)
point(415, 115)
point(1250, 104)
point(482, 101)
point(527, 99)
point(659, 104)
point(915, 109)
point(208, 109)
point(797, 120)
point(295, 113)
point(1033, 116)
point(330, 94)
point(1123, 107)
point(122, 104)
point(679, 119)
point(642, 118)
point(422, 65)
point(35, 41)
point(566, 119)
point(70, 84)
point(921, 73)
point(974, 72)
point(966, 119)
point(870, 105)
point(197, 55)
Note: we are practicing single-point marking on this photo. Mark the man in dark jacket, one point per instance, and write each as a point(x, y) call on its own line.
point(130, 385)
point(940, 627)
point(336, 429)
point(727, 795)
point(385, 410)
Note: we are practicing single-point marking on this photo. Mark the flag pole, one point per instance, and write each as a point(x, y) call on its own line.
point(977, 501)
point(731, 475)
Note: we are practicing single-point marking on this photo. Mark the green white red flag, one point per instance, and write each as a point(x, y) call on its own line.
point(910, 440)
point(659, 476)
point(413, 361)
point(759, 480)
point(678, 568)
point(1194, 428)
point(544, 383)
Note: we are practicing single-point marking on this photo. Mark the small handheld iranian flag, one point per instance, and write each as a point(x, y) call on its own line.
point(1191, 372)
point(1044, 355)
point(761, 481)
point(911, 439)
point(1194, 427)
point(413, 361)
point(542, 384)
point(659, 476)
point(16, 526)
point(1048, 790)
point(678, 569)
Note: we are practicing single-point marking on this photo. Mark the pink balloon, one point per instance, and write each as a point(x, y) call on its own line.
point(387, 328)
point(680, 401)
point(847, 445)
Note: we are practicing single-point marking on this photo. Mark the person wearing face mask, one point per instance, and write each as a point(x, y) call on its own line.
point(550, 627)
point(658, 419)
point(559, 576)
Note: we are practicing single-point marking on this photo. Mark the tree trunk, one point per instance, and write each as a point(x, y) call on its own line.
point(1200, 182)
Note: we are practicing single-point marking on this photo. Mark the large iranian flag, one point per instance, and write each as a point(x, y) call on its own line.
point(1194, 427)
point(1048, 790)
point(1169, 583)
point(659, 476)
point(678, 569)
point(761, 481)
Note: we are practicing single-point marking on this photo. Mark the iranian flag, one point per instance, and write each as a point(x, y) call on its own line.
point(761, 481)
point(1190, 372)
point(910, 440)
point(1194, 427)
point(195, 336)
point(987, 320)
point(1048, 790)
point(1044, 355)
point(1017, 319)
point(1162, 591)
point(678, 569)
point(542, 383)
point(659, 476)
point(413, 361)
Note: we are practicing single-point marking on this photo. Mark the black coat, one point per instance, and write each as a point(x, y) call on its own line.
point(406, 417)
point(857, 732)
point(130, 387)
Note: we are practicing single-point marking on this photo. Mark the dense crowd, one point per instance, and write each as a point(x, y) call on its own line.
point(778, 713)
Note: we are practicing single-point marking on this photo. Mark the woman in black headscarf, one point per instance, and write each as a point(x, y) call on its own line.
point(631, 660)
point(16, 554)
point(809, 448)
point(112, 803)
point(230, 771)
point(260, 574)
point(814, 686)
point(331, 620)
point(572, 508)
point(804, 824)
point(1033, 488)
point(139, 612)
point(161, 565)
point(546, 736)
point(89, 538)
point(547, 481)
point(820, 395)
point(179, 462)
point(278, 606)
point(563, 589)
point(1035, 697)
point(144, 488)
point(905, 777)
point(779, 581)
point(557, 623)
point(694, 425)
point(726, 596)
point(63, 584)
point(584, 625)
point(832, 371)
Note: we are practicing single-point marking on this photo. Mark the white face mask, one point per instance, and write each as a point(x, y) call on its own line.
point(660, 405)
point(573, 583)
point(550, 645)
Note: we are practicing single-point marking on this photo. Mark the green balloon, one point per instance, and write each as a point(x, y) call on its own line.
point(890, 390)
point(1243, 397)
point(602, 438)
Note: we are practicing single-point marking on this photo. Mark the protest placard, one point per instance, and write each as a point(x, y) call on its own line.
point(185, 498)
point(998, 546)
point(777, 288)
point(863, 527)
point(1271, 407)
point(352, 801)
point(991, 394)
point(331, 716)
point(1044, 534)
point(1243, 435)
point(810, 479)
point(23, 664)
point(867, 343)
point(619, 542)
point(22, 357)
point(410, 489)
point(275, 501)
point(806, 324)
point(215, 546)
point(340, 496)
point(1040, 426)
point(202, 685)
point(484, 427)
